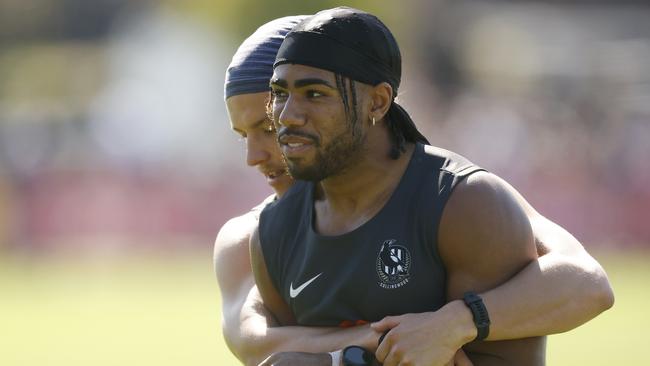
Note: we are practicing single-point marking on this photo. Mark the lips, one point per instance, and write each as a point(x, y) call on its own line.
point(295, 140)
point(295, 143)
point(275, 174)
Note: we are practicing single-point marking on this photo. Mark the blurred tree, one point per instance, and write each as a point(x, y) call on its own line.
point(55, 20)
point(241, 17)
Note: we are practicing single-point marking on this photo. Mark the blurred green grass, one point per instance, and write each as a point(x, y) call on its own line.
point(140, 310)
point(617, 336)
point(164, 310)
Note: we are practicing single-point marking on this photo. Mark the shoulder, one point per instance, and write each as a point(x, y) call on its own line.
point(236, 230)
point(260, 207)
point(446, 160)
point(485, 230)
point(481, 204)
point(481, 186)
point(233, 239)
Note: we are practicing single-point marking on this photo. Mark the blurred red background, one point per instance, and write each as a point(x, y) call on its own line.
point(114, 137)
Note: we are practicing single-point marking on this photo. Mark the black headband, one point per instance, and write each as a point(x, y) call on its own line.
point(345, 41)
point(323, 52)
point(355, 44)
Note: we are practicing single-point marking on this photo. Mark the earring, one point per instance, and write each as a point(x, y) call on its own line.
point(373, 121)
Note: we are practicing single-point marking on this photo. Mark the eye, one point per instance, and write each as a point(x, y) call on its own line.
point(314, 94)
point(278, 94)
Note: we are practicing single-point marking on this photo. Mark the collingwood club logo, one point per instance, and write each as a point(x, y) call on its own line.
point(393, 265)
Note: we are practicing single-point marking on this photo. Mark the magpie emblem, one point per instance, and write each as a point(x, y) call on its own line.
point(393, 265)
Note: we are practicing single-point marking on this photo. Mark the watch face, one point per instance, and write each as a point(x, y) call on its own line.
point(357, 356)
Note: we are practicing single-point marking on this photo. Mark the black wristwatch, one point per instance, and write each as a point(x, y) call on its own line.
point(479, 313)
point(357, 356)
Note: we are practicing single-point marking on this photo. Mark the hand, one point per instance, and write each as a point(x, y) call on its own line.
point(420, 339)
point(368, 337)
point(297, 359)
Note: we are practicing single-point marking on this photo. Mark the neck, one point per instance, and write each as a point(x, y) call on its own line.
point(348, 200)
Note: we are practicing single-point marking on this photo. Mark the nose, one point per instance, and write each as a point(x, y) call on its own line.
point(289, 113)
point(255, 152)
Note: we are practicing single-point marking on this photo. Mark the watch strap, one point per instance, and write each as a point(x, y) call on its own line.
point(480, 314)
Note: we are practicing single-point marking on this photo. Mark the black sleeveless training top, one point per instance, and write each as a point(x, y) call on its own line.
point(388, 266)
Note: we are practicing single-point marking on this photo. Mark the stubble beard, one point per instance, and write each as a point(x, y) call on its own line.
point(333, 159)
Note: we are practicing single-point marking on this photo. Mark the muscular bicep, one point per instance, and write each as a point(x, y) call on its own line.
point(485, 235)
point(267, 290)
point(549, 236)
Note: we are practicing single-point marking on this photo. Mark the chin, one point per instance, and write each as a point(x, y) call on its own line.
point(311, 175)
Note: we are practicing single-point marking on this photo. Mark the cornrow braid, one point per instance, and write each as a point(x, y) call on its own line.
point(342, 84)
point(343, 90)
point(401, 127)
point(353, 91)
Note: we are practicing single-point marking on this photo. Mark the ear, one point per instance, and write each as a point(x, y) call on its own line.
point(381, 97)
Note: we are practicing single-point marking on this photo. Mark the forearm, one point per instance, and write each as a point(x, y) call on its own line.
point(554, 294)
point(258, 342)
point(550, 295)
point(255, 335)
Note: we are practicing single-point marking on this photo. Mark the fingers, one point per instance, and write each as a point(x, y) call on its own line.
point(381, 337)
point(393, 358)
point(383, 349)
point(385, 324)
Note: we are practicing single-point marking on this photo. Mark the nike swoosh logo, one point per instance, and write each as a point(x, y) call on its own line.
point(293, 292)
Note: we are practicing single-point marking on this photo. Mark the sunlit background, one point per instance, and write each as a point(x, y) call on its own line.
point(118, 167)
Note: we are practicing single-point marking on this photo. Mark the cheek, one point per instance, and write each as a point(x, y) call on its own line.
point(332, 120)
point(269, 142)
point(274, 110)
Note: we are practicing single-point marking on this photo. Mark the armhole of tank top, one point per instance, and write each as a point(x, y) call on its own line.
point(270, 255)
point(434, 228)
point(457, 177)
point(433, 216)
point(273, 253)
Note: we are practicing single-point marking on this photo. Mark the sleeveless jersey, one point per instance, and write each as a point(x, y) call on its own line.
point(388, 266)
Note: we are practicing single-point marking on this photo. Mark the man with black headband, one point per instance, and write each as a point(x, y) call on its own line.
point(383, 224)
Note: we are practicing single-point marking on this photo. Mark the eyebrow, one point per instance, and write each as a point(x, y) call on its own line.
point(312, 81)
point(279, 82)
point(301, 83)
